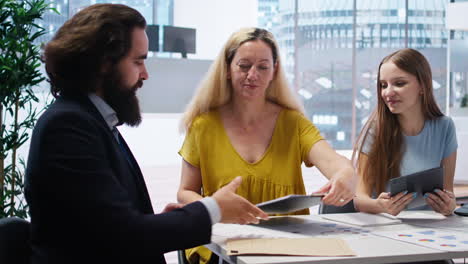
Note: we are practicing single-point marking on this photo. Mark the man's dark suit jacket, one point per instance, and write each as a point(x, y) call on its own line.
point(88, 204)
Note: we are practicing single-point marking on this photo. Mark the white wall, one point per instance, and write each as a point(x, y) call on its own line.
point(156, 141)
point(215, 21)
point(171, 84)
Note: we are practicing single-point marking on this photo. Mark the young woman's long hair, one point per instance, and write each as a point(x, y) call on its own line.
point(383, 160)
point(215, 89)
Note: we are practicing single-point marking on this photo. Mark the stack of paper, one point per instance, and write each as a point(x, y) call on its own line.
point(363, 219)
point(290, 246)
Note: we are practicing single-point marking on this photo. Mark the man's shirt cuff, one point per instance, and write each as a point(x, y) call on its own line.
point(213, 209)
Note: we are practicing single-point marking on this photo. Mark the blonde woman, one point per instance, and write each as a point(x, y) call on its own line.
point(244, 120)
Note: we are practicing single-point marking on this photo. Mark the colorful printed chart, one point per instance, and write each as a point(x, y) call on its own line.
point(436, 239)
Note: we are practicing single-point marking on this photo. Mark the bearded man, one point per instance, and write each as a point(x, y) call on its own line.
point(87, 196)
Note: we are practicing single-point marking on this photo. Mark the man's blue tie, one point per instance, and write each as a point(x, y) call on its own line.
point(124, 150)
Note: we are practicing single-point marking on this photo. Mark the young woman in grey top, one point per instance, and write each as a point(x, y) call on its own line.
point(407, 133)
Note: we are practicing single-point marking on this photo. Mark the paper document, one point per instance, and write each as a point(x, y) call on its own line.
point(290, 203)
point(289, 227)
point(449, 223)
point(437, 239)
point(290, 246)
point(363, 219)
point(420, 215)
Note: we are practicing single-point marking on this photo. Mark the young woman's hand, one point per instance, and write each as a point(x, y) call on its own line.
point(442, 201)
point(394, 204)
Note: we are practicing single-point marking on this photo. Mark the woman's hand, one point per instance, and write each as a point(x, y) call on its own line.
point(442, 201)
point(341, 186)
point(340, 189)
point(394, 204)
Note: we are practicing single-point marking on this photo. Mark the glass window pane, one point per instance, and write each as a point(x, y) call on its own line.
point(323, 53)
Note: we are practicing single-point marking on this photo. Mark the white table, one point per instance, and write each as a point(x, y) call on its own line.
point(369, 249)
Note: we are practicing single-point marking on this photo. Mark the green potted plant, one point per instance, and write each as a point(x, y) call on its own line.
point(464, 101)
point(19, 74)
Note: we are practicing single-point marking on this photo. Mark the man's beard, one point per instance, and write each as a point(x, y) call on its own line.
point(122, 99)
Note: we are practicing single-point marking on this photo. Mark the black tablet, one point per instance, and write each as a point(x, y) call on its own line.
point(463, 211)
point(290, 203)
point(419, 182)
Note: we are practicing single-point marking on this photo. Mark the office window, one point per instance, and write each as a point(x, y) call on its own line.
point(324, 50)
point(325, 53)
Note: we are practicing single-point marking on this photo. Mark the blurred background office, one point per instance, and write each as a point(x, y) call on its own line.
point(331, 50)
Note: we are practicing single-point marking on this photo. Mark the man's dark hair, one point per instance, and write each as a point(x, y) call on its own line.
point(94, 39)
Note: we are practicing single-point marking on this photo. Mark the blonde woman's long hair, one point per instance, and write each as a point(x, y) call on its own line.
point(215, 89)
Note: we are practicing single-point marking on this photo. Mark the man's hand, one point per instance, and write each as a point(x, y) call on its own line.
point(234, 208)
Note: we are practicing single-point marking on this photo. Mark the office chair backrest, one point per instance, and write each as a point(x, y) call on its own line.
point(15, 245)
point(330, 209)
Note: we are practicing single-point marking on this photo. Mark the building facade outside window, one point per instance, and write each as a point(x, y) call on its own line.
point(319, 54)
point(331, 52)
